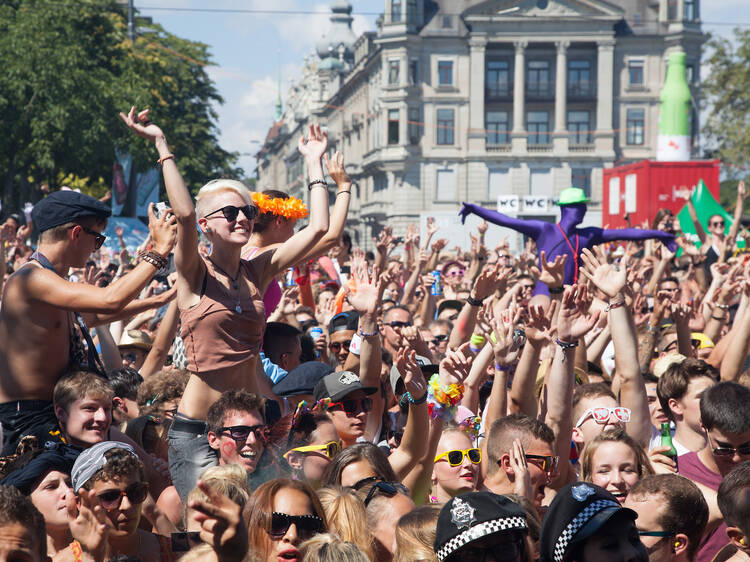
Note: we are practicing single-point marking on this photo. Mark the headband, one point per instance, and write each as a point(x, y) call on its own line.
point(91, 460)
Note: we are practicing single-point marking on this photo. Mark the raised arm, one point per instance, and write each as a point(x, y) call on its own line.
point(611, 235)
point(687, 194)
point(737, 220)
point(187, 260)
point(298, 246)
point(531, 228)
point(611, 281)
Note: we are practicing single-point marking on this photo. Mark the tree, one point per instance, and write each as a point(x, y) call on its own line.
point(69, 68)
point(726, 96)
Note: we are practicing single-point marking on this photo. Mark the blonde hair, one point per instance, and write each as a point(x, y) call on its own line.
point(327, 547)
point(616, 435)
point(217, 187)
point(415, 534)
point(229, 480)
point(347, 517)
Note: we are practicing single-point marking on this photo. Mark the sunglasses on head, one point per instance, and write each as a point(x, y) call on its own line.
point(548, 463)
point(99, 238)
point(242, 432)
point(307, 525)
point(601, 415)
point(230, 212)
point(338, 345)
point(330, 449)
point(456, 456)
point(112, 499)
point(398, 324)
point(721, 451)
point(389, 489)
point(352, 406)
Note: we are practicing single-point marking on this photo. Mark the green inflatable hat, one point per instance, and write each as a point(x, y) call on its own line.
point(572, 196)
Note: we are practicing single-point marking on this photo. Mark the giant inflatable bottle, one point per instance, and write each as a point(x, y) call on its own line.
point(674, 113)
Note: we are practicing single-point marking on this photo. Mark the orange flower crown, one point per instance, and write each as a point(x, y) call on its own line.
point(290, 208)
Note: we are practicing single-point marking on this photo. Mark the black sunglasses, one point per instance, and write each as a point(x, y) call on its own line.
point(307, 525)
point(398, 324)
point(389, 489)
point(242, 432)
point(351, 406)
point(230, 212)
point(99, 238)
point(336, 345)
point(361, 483)
point(112, 499)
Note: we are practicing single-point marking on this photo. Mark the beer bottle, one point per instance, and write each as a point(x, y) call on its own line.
point(666, 441)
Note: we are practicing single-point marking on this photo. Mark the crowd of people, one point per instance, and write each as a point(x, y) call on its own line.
point(247, 387)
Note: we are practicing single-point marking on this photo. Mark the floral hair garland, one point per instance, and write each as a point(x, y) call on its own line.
point(289, 208)
point(304, 408)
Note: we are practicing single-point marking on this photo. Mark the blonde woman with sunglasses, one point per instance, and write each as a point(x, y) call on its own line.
point(220, 297)
point(456, 468)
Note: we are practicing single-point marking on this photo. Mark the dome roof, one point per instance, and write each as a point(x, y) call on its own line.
point(340, 32)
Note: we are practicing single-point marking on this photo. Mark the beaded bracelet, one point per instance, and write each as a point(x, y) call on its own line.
point(154, 259)
point(418, 401)
point(313, 183)
point(364, 334)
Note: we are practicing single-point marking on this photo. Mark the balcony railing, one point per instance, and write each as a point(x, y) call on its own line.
point(540, 90)
point(582, 89)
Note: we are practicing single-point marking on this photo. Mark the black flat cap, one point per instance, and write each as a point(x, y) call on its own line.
point(62, 207)
point(302, 379)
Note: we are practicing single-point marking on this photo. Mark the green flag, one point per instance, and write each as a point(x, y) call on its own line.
point(705, 207)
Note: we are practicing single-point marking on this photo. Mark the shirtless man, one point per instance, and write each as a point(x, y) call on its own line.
point(40, 333)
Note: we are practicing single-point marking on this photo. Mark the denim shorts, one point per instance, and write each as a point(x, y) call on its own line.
point(189, 453)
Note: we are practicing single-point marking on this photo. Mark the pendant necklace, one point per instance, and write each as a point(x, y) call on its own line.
point(235, 282)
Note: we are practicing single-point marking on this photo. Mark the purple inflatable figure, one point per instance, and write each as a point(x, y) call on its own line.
point(565, 237)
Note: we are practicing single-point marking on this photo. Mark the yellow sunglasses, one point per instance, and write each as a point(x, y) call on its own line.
point(330, 449)
point(456, 456)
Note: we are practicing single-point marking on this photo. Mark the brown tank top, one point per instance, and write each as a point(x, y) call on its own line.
point(216, 336)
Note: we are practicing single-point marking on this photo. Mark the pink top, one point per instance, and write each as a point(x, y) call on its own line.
point(272, 296)
point(216, 336)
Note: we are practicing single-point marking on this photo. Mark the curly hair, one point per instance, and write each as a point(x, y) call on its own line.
point(17, 508)
point(161, 387)
point(119, 464)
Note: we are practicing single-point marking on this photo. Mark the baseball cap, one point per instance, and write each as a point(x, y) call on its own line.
point(302, 379)
point(427, 366)
point(338, 385)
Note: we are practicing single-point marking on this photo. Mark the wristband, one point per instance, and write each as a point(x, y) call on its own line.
point(344, 191)
point(617, 304)
point(313, 183)
point(154, 259)
point(556, 290)
point(722, 306)
point(564, 345)
point(477, 339)
point(715, 318)
point(418, 401)
point(364, 334)
point(509, 367)
point(474, 302)
point(163, 159)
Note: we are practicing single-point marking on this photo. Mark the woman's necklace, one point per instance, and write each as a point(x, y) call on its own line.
point(235, 281)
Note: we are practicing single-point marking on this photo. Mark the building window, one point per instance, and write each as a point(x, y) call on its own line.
point(445, 189)
point(690, 73)
point(413, 72)
point(393, 123)
point(635, 72)
point(496, 123)
point(537, 124)
point(395, 11)
point(537, 78)
point(671, 10)
point(497, 80)
point(581, 178)
point(445, 73)
point(411, 11)
point(579, 127)
point(415, 125)
point(379, 182)
point(445, 126)
point(447, 22)
point(393, 71)
point(579, 77)
point(689, 10)
point(498, 183)
point(634, 122)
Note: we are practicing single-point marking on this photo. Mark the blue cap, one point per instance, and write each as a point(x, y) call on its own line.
point(302, 379)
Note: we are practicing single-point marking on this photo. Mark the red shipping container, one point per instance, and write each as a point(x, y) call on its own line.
point(637, 191)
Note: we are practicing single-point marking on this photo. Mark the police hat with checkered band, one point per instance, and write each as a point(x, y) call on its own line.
point(337, 386)
point(473, 516)
point(578, 511)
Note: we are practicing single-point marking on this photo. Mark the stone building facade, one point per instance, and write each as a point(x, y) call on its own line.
point(469, 100)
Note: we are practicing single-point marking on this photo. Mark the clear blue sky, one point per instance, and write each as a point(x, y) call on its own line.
point(249, 48)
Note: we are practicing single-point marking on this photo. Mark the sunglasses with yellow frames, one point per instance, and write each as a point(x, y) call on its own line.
point(456, 456)
point(330, 449)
